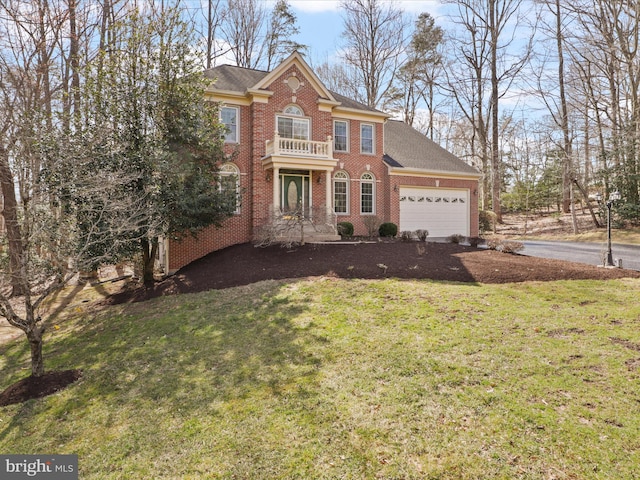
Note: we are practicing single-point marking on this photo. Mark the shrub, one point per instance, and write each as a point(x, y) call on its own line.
point(455, 238)
point(345, 229)
point(494, 243)
point(406, 235)
point(487, 220)
point(511, 246)
point(422, 235)
point(388, 229)
point(371, 222)
point(475, 241)
point(504, 246)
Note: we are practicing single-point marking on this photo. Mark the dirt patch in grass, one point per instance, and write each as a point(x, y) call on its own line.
point(37, 387)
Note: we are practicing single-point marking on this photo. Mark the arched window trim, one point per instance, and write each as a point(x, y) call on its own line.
point(341, 193)
point(293, 110)
point(226, 172)
point(367, 194)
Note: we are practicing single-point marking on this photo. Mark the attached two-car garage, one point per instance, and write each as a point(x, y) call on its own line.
point(442, 212)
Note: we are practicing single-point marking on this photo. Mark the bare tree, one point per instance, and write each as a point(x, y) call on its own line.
point(417, 77)
point(375, 40)
point(487, 46)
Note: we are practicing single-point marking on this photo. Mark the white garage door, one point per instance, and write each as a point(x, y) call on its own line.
point(442, 212)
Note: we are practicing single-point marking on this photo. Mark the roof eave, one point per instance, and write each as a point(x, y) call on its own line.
point(424, 172)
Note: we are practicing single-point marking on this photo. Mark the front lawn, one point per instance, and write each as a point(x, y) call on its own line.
point(351, 379)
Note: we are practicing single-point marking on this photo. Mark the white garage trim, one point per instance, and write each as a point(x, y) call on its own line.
point(441, 211)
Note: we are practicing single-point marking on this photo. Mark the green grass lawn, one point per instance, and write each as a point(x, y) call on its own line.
point(339, 379)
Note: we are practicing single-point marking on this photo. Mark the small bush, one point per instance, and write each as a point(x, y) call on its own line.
point(406, 235)
point(372, 223)
point(511, 247)
point(345, 229)
point(388, 229)
point(422, 235)
point(475, 241)
point(504, 246)
point(455, 238)
point(494, 243)
point(487, 220)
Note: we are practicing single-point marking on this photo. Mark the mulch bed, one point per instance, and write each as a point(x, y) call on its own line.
point(37, 387)
point(245, 264)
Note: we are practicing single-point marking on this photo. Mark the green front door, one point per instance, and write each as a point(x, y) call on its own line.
point(295, 194)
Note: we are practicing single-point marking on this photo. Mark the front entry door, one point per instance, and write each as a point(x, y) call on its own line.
point(295, 194)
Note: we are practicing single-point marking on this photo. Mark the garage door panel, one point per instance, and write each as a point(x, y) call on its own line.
point(442, 212)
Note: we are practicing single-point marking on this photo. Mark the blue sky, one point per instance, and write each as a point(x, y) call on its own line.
point(320, 23)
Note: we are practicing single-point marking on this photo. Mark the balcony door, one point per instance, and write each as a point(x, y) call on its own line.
point(295, 189)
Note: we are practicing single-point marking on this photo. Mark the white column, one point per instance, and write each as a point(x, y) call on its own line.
point(328, 194)
point(276, 190)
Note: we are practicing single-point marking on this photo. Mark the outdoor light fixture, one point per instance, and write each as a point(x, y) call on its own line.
point(613, 197)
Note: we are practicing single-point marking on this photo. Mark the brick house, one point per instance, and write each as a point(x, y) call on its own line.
point(295, 146)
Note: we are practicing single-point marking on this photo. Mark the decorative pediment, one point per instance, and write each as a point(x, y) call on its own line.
point(294, 81)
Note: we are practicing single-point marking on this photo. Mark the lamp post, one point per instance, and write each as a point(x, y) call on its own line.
point(614, 196)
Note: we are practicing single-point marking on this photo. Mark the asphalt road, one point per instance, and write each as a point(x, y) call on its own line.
point(589, 253)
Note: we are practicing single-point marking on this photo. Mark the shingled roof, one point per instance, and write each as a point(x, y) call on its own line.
point(238, 79)
point(405, 147)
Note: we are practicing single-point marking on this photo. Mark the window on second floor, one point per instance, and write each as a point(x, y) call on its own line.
point(292, 124)
point(229, 118)
point(296, 128)
point(340, 136)
point(366, 138)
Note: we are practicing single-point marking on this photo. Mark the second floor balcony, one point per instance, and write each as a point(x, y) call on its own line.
point(293, 147)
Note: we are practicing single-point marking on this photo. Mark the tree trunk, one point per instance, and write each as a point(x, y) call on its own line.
point(12, 226)
point(35, 342)
point(496, 174)
point(149, 251)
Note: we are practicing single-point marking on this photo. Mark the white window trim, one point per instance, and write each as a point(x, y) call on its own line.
point(294, 118)
point(346, 122)
point(342, 176)
point(237, 109)
point(371, 180)
point(373, 138)
point(228, 170)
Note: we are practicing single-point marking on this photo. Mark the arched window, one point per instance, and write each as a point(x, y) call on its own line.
point(367, 194)
point(341, 193)
point(230, 185)
point(293, 110)
point(291, 127)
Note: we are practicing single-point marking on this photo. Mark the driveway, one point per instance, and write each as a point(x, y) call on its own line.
point(589, 253)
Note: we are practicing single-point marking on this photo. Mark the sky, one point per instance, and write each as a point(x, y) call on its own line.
point(320, 23)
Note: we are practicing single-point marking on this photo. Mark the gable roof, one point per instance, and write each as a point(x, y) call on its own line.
point(234, 79)
point(406, 148)
point(231, 78)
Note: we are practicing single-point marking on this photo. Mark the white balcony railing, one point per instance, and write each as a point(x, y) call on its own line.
point(294, 147)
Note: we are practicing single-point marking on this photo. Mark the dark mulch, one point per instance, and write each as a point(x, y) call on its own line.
point(245, 264)
point(37, 387)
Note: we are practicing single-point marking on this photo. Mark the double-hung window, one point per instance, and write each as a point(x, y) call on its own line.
point(340, 136)
point(341, 193)
point(229, 177)
point(367, 193)
point(366, 138)
point(229, 118)
point(291, 127)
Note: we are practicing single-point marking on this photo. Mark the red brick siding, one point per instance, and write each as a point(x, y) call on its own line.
point(257, 125)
